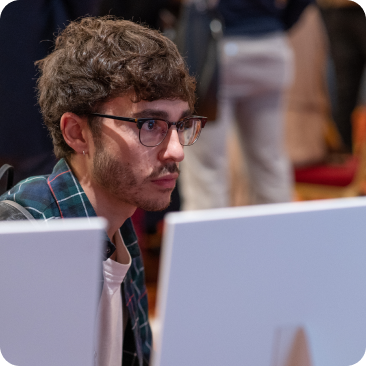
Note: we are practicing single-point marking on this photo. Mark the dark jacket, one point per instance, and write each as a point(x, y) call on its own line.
point(27, 31)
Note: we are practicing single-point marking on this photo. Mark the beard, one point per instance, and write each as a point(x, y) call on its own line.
point(119, 180)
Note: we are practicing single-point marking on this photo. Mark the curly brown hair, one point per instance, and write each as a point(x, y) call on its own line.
point(97, 59)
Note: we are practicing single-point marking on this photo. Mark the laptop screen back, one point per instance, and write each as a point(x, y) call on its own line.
point(234, 281)
point(49, 290)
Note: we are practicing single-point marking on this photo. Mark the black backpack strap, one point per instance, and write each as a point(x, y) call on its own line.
point(11, 211)
point(6, 168)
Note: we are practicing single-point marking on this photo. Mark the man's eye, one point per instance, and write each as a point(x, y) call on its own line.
point(151, 124)
point(181, 126)
point(155, 125)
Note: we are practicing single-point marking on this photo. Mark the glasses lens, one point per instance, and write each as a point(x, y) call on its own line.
point(153, 132)
point(189, 131)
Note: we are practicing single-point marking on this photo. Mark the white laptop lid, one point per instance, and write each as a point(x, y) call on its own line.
point(232, 281)
point(49, 289)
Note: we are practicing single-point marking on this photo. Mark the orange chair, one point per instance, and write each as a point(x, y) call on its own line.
point(336, 180)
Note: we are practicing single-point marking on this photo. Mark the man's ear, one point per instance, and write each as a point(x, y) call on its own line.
point(75, 132)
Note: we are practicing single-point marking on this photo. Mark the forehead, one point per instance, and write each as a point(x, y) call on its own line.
point(166, 108)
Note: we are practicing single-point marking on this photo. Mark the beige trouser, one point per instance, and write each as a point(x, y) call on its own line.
point(254, 73)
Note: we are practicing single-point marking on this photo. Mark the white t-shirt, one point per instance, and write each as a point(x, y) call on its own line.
point(109, 334)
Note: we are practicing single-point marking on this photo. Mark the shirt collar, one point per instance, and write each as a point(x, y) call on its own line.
point(72, 202)
point(68, 193)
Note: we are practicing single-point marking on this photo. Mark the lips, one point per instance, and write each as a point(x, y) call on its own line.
point(166, 181)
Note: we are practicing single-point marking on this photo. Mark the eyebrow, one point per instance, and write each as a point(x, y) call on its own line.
point(146, 113)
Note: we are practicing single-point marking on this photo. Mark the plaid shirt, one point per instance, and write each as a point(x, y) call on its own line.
point(60, 195)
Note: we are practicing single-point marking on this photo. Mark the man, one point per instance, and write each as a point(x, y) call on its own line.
point(107, 93)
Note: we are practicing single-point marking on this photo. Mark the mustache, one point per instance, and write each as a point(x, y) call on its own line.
point(163, 170)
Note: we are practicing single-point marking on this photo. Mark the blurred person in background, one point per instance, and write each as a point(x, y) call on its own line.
point(345, 23)
point(153, 13)
point(255, 66)
point(27, 31)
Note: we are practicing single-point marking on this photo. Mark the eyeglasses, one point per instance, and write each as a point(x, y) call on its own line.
point(152, 131)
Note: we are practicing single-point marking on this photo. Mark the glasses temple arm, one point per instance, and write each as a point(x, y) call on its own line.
point(126, 119)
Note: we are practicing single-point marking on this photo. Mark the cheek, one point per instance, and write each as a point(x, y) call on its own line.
point(143, 163)
point(137, 157)
point(125, 147)
point(120, 140)
point(120, 148)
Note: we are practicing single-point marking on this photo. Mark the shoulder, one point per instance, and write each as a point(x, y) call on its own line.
point(34, 194)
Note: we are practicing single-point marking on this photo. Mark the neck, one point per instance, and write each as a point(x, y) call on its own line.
point(105, 204)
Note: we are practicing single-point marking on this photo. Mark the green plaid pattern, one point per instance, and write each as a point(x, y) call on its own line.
point(59, 195)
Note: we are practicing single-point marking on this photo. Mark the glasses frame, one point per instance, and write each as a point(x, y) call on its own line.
point(140, 121)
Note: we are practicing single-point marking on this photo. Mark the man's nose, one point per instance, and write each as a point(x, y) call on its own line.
point(172, 149)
